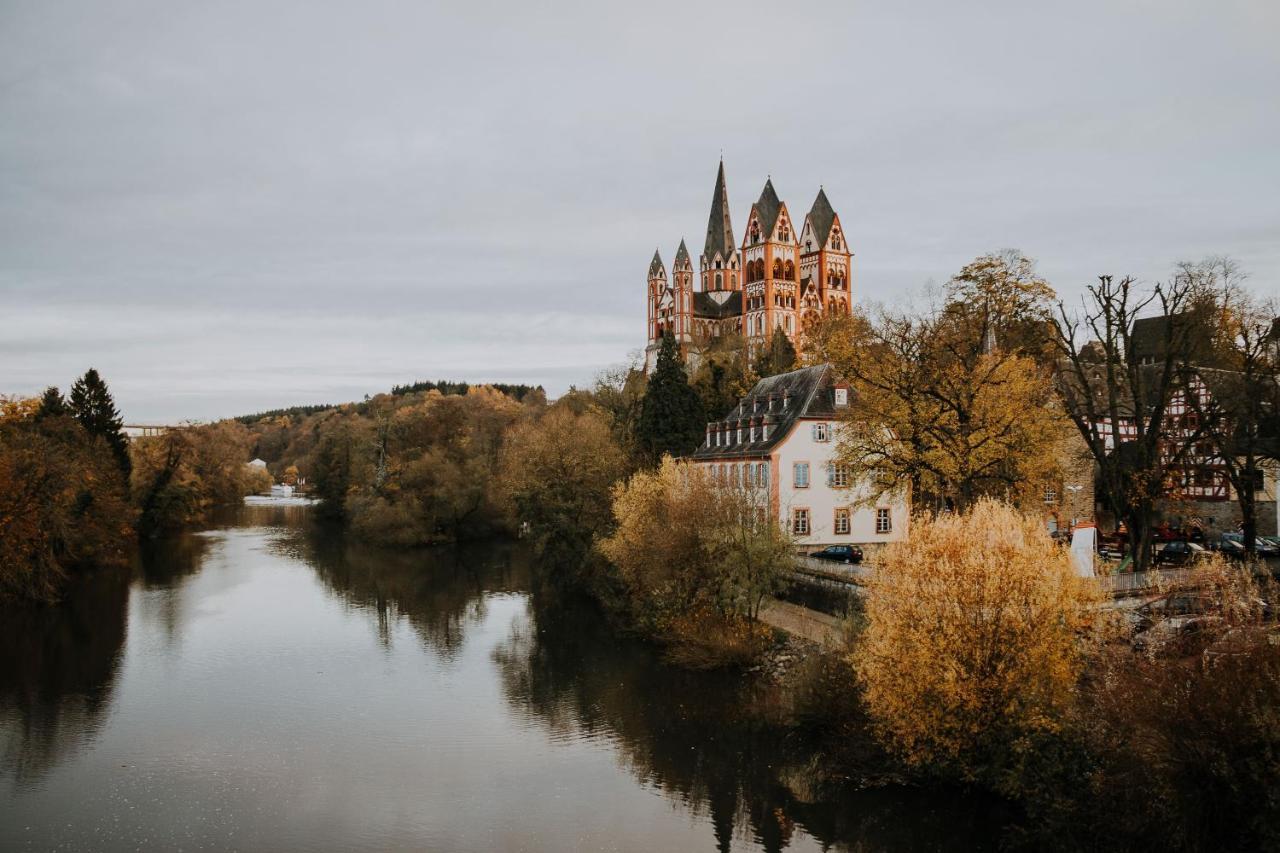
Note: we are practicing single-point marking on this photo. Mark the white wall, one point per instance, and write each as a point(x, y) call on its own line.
point(822, 500)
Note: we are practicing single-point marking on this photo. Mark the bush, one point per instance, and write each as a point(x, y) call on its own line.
point(970, 652)
point(694, 558)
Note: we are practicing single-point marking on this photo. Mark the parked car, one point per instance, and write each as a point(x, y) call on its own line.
point(1232, 545)
point(839, 554)
point(1178, 553)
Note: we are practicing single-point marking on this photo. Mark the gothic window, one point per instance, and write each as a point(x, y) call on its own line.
point(777, 268)
point(790, 272)
point(719, 278)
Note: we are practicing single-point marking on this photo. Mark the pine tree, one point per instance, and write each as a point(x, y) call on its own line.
point(778, 356)
point(672, 420)
point(52, 404)
point(93, 407)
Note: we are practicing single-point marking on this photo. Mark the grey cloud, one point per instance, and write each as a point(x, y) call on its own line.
point(236, 205)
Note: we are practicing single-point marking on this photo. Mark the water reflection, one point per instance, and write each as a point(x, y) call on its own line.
point(57, 674)
point(696, 737)
point(283, 688)
point(438, 591)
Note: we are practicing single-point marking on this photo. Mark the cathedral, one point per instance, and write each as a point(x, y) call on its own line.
point(780, 277)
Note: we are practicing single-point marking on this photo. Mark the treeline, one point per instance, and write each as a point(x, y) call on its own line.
point(75, 492)
point(444, 386)
point(998, 389)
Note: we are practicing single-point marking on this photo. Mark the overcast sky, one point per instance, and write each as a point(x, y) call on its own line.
point(232, 206)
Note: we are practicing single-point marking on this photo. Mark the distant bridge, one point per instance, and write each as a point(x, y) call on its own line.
point(148, 430)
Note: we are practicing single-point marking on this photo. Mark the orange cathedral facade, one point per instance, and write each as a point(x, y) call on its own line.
point(780, 277)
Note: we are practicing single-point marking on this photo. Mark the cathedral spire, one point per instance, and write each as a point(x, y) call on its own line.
point(655, 266)
point(719, 228)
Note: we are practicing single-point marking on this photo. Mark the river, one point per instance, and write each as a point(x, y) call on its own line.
point(267, 686)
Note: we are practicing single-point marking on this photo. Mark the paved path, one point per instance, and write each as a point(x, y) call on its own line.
point(802, 622)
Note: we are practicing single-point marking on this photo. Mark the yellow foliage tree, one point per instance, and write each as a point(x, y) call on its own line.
point(971, 645)
point(697, 558)
point(952, 402)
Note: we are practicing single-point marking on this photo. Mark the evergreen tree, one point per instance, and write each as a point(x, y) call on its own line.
point(778, 356)
point(331, 474)
point(93, 407)
point(52, 404)
point(671, 415)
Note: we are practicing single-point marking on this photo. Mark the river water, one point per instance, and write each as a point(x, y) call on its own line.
point(267, 686)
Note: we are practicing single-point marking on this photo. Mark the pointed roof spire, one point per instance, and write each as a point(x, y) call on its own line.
point(821, 217)
point(719, 229)
point(655, 266)
point(767, 207)
point(682, 253)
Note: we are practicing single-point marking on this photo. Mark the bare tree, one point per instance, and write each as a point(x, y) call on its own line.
point(1236, 395)
point(1118, 393)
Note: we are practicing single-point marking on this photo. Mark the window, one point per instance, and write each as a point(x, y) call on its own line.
point(763, 475)
point(719, 278)
point(800, 476)
point(750, 475)
point(1050, 495)
point(837, 476)
point(736, 480)
point(821, 432)
point(842, 521)
point(884, 520)
point(800, 522)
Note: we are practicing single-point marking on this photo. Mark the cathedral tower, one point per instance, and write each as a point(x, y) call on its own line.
point(770, 265)
point(658, 291)
point(825, 262)
point(682, 297)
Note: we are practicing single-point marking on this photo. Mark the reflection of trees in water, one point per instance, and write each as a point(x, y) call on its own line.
point(57, 673)
point(439, 591)
point(692, 736)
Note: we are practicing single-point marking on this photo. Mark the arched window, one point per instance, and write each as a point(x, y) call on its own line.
point(777, 268)
point(790, 271)
point(719, 278)
point(733, 280)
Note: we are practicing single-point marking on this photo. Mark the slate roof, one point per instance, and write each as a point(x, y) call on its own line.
point(682, 256)
point(719, 229)
point(821, 217)
point(767, 208)
point(705, 306)
point(810, 392)
point(655, 266)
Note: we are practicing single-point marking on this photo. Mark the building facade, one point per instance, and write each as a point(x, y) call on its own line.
point(779, 443)
point(779, 277)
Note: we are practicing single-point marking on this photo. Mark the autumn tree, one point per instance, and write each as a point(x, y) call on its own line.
point(970, 647)
point(93, 407)
point(182, 475)
point(1117, 391)
point(557, 474)
point(672, 420)
point(696, 560)
point(950, 401)
point(63, 505)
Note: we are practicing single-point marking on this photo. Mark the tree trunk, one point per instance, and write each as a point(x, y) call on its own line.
point(1248, 519)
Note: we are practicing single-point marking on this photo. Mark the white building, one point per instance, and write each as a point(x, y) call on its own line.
point(780, 440)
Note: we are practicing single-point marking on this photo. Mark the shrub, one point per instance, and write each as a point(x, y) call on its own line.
point(970, 650)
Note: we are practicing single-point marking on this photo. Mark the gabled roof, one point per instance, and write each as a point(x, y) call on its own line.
point(655, 266)
point(821, 218)
point(767, 207)
point(719, 229)
point(705, 305)
point(810, 392)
